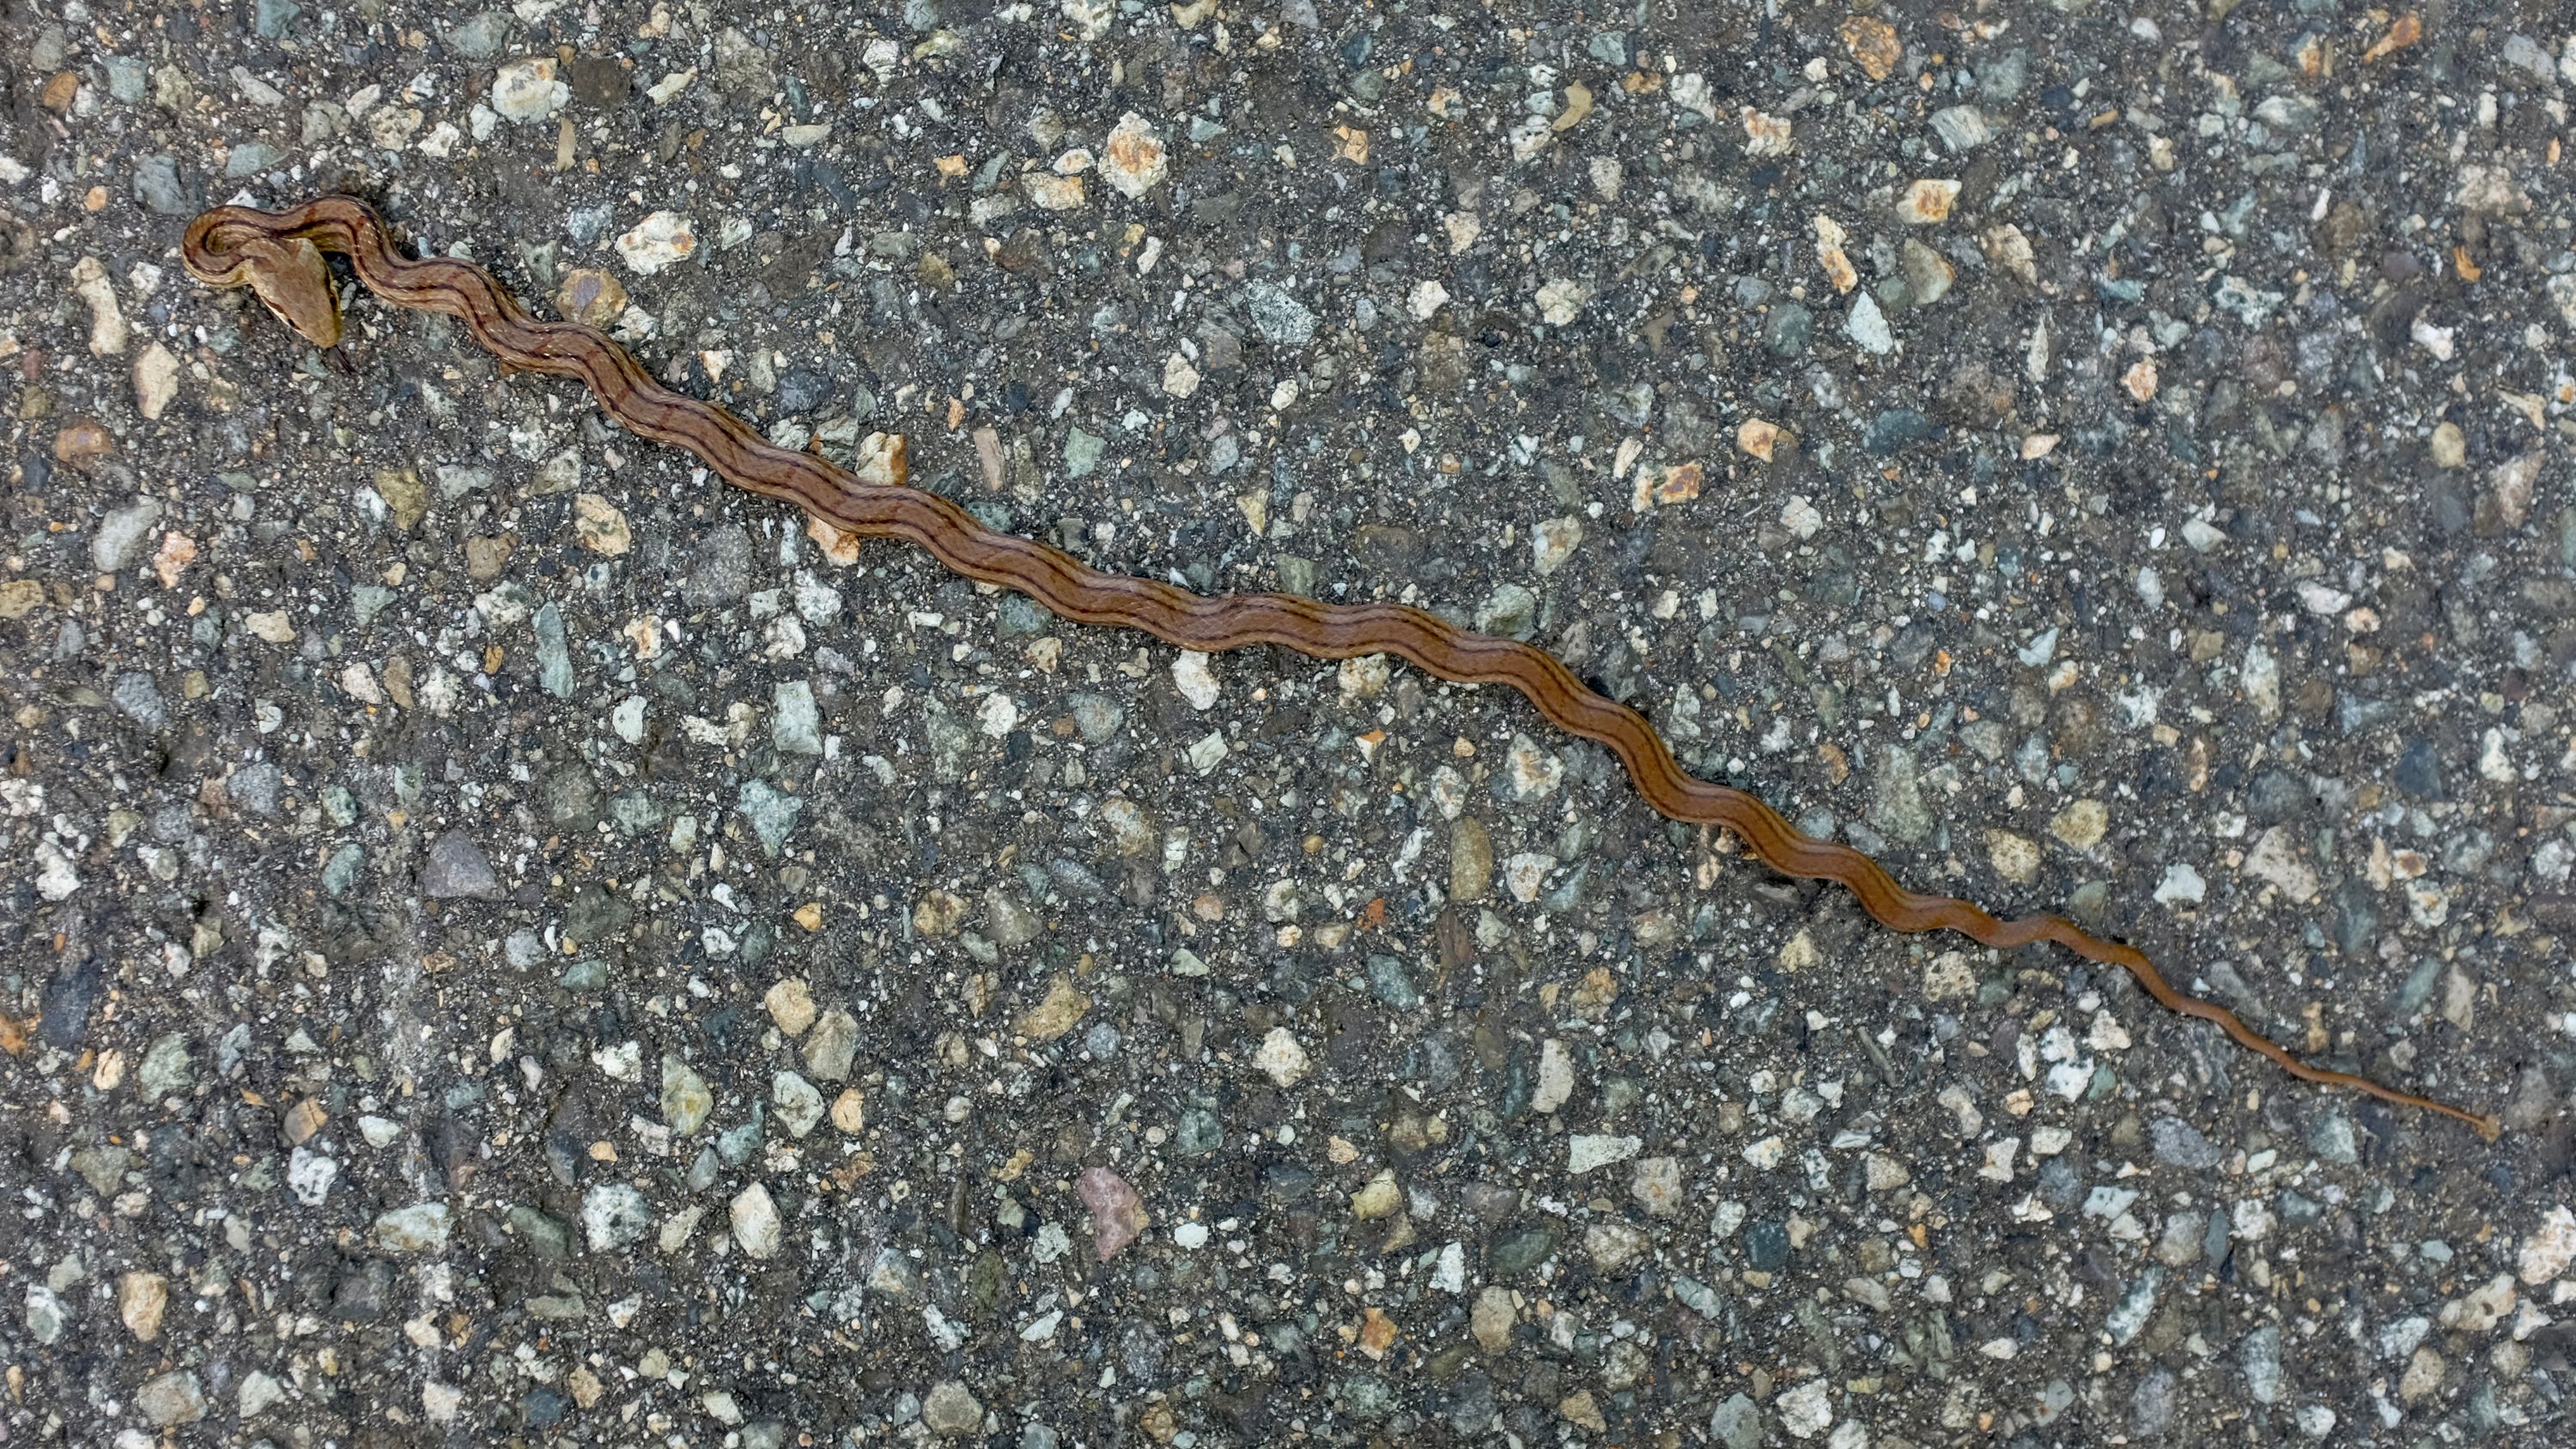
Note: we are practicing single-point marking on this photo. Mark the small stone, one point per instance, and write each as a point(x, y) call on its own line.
point(107, 327)
point(832, 1046)
point(2423, 1375)
point(1896, 798)
point(591, 297)
point(1555, 1077)
point(158, 187)
point(526, 90)
point(1507, 612)
point(138, 696)
point(2080, 826)
point(457, 869)
point(791, 1005)
point(1082, 453)
point(2260, 1356)
point(599, 527)
point(1379, 1198)
point(1391, 984)
point(796, 723)
point(1282, 320)
point(685, 1098)
point(173, 1398)
point(849, 1111)
point(658, 242)
point(2450, 446)
point(2179, 1144)
point(1117, 1212)
point(1133, 158)
point(2333, 1137)
point(1591, 1151)
point(2552, 1245)
point(167, 1068)
point(1471, 860)
point(1962, 128)
point(420, 1228)
point(119, 542)
point(406, 500)
point(1197, 685)
point(2275, 861)
point(755, 1222)
point(1926, 202)
point(2014, 857)
point(1737, 1423)
point(1553, 541)
point(2182, 885)
point(771, 812)
point(259, 1392)
point(950, 1412)
point(1807, 1410)
point(1063, 1006)
point(800, 1107)
point(1579, 1410)
point(1281, 1058)
point(1492, 1318)
point(1522, 1250)
point(141, 1298)
point(614, 1214)
point(2480, 1310)
point(2129, 1316)
point(1928, 274)
point(1656, 1185)
point(156, 381)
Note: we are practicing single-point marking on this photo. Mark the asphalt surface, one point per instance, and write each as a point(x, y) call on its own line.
point(508, 940)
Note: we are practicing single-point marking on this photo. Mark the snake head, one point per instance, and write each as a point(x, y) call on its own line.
point(293, 281)
point(286, 273)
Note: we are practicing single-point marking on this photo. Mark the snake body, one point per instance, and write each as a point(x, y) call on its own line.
point(275, 253)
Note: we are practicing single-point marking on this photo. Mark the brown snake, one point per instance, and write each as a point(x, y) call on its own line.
point(279, 255)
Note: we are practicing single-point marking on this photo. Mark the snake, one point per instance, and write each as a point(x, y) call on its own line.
point(280, 257)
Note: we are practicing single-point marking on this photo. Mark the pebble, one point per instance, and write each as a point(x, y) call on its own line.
point(420, 1228)
point(1197, 684)
point(800, 1106)
point(795, 721)
point(832, 1046)
point(141, 1299)
point(755, 1222)
point(1736, 1423)
point(177, 1397)
point(1519, 1251)
point(1281, 1058)
point(1117, 1213)
point(2179, 1144)
point(686, 1101)
point(1553, 541)
point(156, 381)
point(1492, 1319)
point(2549, 1248)
point(1867, 325)
point(118, 545)
point(950, 1412)
point(1592, 1151)
point(662, 240)
point(1807, 1410)
point(1281, 319)
point(456, 868)
point(1133, 157)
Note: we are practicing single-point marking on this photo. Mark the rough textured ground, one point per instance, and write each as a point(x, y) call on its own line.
point(505, 940)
